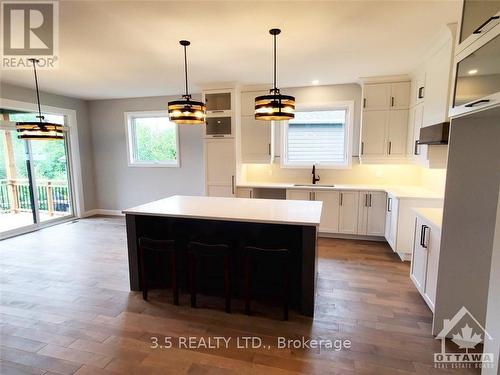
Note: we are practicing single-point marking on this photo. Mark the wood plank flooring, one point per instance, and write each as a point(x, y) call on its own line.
point(65, 308)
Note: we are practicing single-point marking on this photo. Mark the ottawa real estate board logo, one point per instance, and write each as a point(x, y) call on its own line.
point(468, 337)
point(30, 29)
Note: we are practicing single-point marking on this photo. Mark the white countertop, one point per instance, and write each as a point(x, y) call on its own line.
point(433, 215)
point(399, 191)
point(234, 209)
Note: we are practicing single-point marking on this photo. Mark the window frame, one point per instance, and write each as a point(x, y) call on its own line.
point(131, 142)
point(348, 106)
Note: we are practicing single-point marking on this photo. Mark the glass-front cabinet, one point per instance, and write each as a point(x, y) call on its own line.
point(478, 18)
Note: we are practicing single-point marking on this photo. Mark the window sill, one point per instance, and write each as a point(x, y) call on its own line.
point(154, 165)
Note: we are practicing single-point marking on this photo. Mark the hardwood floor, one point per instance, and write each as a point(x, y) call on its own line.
point(65, 308)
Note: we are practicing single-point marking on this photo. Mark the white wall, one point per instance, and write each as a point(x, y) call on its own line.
point(119, 186)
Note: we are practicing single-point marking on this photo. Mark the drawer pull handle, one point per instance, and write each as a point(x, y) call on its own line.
point(477, 102)
point(479, 29)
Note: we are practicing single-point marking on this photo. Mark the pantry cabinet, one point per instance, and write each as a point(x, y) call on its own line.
point(220, 167)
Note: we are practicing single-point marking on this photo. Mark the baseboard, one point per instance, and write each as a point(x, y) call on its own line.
point(101, 211)
point(351, 237)
point(405, 257)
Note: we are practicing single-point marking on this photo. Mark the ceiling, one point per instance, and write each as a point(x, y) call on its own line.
point(115, 49)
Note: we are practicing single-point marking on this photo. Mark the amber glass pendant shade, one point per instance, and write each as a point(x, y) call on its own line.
point(39, 130)
point(275, 106)
point(185, 110)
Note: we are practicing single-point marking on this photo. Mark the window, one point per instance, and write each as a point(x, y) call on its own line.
point(153, 140)
point(319, 136)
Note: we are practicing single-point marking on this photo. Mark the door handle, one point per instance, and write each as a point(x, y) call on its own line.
point(477, 102)
point(269, 149)
point(370, 200)
point(479, 29)
point(362, 147)
point(415, 151)
point(392, 101)
point(389, 204)
point(424, 231)
point(364, 102)
point(421, 92)
point(341, 198)
point(422, 235)
point(232, 184)
point(366, 200)
point(390, 147)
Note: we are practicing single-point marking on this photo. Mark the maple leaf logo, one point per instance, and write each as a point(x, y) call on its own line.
point(465, 339)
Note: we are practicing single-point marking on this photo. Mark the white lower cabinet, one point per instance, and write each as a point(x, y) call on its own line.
point(371, 215)
point(299, 195)
point(330, 213)
point(348, 212)
point(425, 259)
point(391, 220)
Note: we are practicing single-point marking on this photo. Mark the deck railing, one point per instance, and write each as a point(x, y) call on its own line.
point(53, 196)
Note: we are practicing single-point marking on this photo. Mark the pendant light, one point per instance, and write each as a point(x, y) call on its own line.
point(186, 111)
point(39, 130)
point(275, 106)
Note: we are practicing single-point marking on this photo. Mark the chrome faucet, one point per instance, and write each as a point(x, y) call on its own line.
point(314, 178)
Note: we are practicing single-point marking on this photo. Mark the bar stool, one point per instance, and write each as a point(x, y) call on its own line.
point(252, 252)
point(158, 247)
point(198, 250)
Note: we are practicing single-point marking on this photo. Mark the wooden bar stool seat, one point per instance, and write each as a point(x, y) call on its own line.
point(198, 250)
point(157, 248)
point(251, 253)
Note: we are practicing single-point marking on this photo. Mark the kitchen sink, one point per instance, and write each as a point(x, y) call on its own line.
point(313, 185)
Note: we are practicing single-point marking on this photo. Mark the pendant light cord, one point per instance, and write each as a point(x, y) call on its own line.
point(275, 88)
point(40, 117)
point(186, 71)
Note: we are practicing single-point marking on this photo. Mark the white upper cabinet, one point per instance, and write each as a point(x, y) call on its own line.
point(400, 95)
point(256, 135)
point(376, 96)
point(384, 122)
point(397, 131)
point(373, 134)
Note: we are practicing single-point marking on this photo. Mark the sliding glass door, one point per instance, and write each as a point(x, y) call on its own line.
point(35, 185)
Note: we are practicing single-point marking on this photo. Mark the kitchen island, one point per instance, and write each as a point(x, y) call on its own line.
point(240, 221)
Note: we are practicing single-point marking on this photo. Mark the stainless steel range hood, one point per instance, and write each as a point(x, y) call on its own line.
point(435, 134)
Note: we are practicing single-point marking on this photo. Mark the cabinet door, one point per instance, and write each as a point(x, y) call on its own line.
point(255, 140)
point(393, 230)
point(330, 213)
point(244, 193)
point(220, 167)
point(432, 241)
point(400, 95)
point(397, 130)
point(301, 195)
point(388, 221)
point(375, 219)
point(348, 212)
point(419, 88)
point(376, 96)
point(373, 133)
point(419, 257)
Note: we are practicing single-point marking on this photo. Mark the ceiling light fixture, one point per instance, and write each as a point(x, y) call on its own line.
point(315, 82)
point(186, 111)
point(39, 130)
point(275, 106)
point(472, 71)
